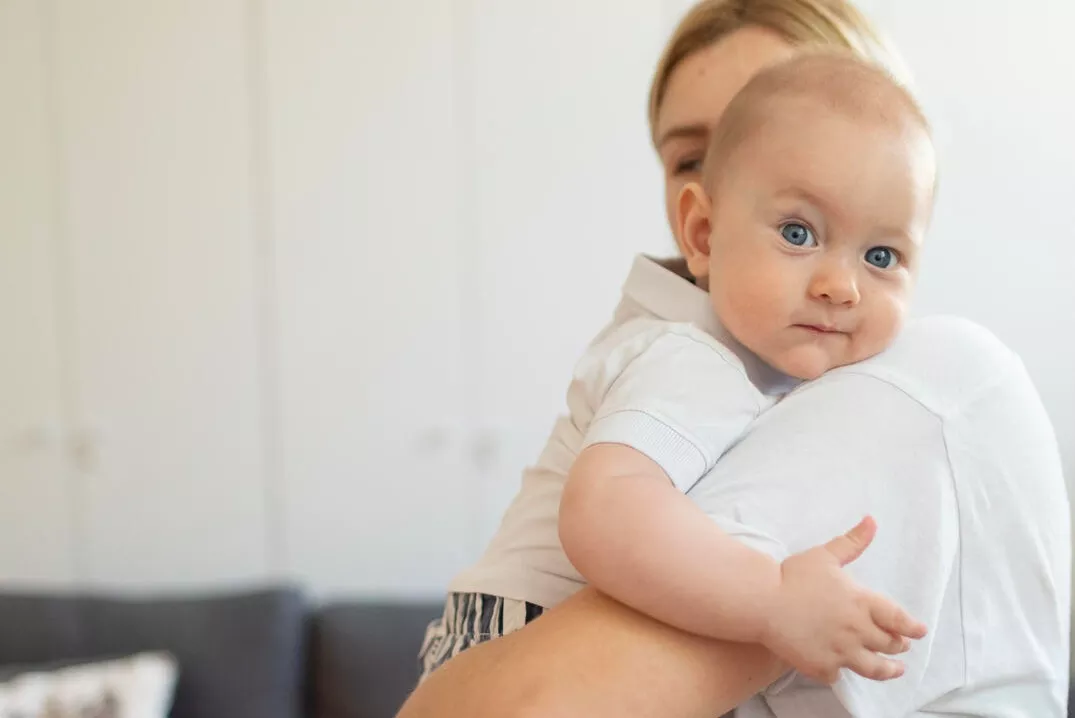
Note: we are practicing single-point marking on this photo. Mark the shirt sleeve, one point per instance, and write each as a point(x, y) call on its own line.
point(841, 448)
point(679, 397)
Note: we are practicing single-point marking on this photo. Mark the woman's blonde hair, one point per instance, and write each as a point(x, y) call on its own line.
point(818, 23)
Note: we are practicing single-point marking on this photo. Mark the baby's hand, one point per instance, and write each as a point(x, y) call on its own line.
point(822, 621)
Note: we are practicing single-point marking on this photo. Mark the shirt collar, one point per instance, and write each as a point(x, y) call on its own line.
point(663, 287)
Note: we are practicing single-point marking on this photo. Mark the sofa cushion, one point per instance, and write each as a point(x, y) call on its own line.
point(140, 685)
point(364, 657)
point(240, 655)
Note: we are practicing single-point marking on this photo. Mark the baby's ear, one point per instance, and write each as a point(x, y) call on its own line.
point(693, 210)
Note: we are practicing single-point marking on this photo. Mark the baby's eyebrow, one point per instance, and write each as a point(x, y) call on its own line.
point(893, 234)
point(807, 196)
point(897, 235)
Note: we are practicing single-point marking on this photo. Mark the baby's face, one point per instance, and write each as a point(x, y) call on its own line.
point(816, 232)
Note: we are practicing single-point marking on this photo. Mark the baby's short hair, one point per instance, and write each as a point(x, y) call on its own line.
point(840, 81)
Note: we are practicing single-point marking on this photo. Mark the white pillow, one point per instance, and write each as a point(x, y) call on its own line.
point(140, 686)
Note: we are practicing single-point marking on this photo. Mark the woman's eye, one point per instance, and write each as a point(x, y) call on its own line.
point(688, 166)
point(798, 234)
point(882, 258)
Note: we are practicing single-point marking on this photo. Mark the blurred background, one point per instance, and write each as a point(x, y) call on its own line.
point(292, 290)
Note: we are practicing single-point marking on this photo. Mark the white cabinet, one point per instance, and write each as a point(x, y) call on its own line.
point(325, 270)
point(369, 273)
point(36, 520)
point(155, 259)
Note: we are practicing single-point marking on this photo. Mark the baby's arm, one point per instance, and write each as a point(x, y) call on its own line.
point(641, 541)
point(636, 537)
point(665, 404)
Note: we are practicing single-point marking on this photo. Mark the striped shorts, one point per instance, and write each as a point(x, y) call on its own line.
point(470, 619)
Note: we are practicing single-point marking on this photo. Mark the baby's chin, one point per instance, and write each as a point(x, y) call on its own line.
point(810, 361)
point(804, 362)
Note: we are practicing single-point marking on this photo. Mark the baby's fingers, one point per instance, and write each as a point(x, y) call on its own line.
point(875, 667)
point(893, 619)
point(874, 639)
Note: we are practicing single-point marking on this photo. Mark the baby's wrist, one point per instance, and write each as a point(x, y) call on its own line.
point(769, 606)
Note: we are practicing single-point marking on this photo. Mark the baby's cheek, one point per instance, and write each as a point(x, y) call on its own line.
point(748, 313)
point(881, 329)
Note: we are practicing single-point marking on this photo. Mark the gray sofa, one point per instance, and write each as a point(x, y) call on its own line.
point(260, 654)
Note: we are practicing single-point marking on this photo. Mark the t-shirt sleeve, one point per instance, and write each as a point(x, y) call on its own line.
point(812, 467)
point(679, 397)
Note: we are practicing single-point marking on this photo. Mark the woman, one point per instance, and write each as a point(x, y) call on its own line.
point(593, 657)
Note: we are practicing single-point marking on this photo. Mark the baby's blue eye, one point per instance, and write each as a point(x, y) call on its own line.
point(798, 234)
point(882, 258)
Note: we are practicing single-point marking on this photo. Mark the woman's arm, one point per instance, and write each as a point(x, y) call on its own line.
point(594, 657)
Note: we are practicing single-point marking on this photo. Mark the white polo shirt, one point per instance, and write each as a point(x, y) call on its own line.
point(944, 441)
point(663, 378)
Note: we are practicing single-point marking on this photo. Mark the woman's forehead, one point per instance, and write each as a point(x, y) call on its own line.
point(703, 84)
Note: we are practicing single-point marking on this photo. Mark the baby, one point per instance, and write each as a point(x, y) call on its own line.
point(802, 242)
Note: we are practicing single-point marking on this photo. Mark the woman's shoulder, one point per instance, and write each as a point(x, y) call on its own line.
point(942, 362)
point(958, 335)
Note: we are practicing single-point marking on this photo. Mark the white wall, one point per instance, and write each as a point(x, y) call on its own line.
point(998, 83)
point(294, 289)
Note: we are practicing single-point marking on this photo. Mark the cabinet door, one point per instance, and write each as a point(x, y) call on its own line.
point(366, 176)
point(567, 189)
point(35, 501)
point(153, 107)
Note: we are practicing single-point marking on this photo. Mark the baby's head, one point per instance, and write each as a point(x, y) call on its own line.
point(807, 227)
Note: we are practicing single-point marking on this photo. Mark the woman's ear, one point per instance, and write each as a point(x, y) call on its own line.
point(693, 212)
